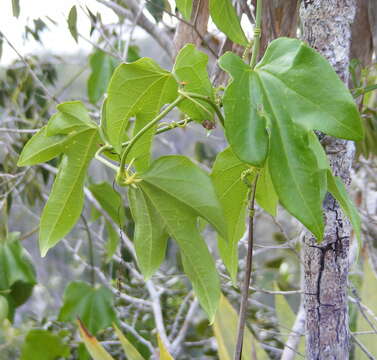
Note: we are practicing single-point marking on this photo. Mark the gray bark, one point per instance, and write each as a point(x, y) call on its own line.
point(326, 26)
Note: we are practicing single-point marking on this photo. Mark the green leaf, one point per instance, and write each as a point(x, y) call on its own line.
point(225, 17)
point(185, 8)
point(150, 237)
point(17, 274)
point(66, 199)
point(42, 148)
point(135, 88)
point(110, 201)
point(102, 67)
point(289, 65)
point(164, 353)
point(94, 306)
point(339, 191)
point(190, 69)
point(266, 196)
point(178, 177)
point(245, 124)
point(232, 192)
point(142, 148)
point(284, 313)
point(225, 329)
point(280, 100)
point(95, 349)
point(72, 22)
point(133, 53)
point(180, 192)
point(71, 118)
point(129, 350)
point(43, 345)
point(16, 8)
point(112, 242)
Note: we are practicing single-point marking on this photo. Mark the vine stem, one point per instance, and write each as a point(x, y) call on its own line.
point(248, 269)
point(257, 34)
point(132, 142)
point(208, 100)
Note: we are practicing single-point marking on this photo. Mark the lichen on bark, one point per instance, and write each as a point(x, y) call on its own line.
point(326, 26)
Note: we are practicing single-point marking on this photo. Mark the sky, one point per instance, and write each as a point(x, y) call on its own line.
point(58, 40)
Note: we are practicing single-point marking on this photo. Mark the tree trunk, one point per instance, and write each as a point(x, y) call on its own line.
point(326, 26)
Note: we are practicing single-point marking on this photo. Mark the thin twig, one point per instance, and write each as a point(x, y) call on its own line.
point(246, 282)
point(363, 348)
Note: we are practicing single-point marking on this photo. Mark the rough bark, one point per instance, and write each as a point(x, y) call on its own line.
point(190, 34)
point(326, 26)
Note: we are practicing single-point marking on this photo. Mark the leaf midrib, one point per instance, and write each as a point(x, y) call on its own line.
point(74, 183)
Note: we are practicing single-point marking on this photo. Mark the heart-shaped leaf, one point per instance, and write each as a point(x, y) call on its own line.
point(278, 114)
point(141, 87)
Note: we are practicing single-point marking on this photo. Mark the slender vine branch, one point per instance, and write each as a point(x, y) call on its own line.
point(257, 34)
point(207, 100)
point(132, 142)
point(248, 269)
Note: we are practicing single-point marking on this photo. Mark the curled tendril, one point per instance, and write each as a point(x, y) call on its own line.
point(246, 174)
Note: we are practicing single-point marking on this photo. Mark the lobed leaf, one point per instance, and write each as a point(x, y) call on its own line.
point(280, 107)
point(94, 306)
point(135, 88)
